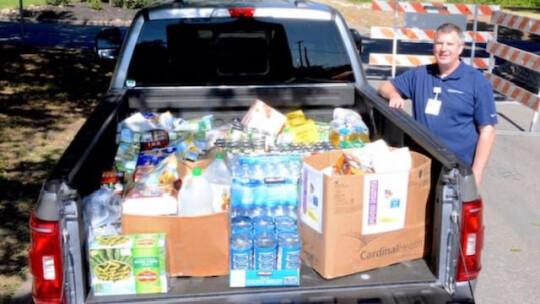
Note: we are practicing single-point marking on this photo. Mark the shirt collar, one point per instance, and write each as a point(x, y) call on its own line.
point(433, 69)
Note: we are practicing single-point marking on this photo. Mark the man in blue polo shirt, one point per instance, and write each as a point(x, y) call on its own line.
point(452, 99)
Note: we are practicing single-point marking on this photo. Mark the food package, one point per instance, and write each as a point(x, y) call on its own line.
point(264, 118)
point(101, 212)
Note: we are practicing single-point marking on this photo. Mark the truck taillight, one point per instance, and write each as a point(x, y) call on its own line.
point(237, 12)
point(472, 240)
point(46, 263)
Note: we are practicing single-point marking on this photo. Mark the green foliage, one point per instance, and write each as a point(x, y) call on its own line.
point(526, 3)
point(58, 2)
point(96, 4)
point(131, 4)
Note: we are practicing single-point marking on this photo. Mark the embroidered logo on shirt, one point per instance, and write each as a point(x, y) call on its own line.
point(493, 115)
point(454, 91)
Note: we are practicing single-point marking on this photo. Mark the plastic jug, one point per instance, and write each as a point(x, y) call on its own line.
point(195, 196)
point(220, 179)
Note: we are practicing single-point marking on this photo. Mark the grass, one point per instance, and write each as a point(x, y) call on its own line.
point(45, 96)
point(14, 4)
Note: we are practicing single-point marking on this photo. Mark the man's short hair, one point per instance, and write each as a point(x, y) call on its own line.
point(449, 28)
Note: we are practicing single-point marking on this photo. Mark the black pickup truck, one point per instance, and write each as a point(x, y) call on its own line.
point(197, 57)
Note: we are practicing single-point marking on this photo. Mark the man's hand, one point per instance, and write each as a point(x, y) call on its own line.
point(396, 102)
point(477, 177)
point(388, 91)
point(483, 151)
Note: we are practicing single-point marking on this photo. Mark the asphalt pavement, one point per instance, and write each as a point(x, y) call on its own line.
point(511, 188)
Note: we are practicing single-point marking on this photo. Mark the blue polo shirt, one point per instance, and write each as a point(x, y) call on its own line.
point(466, 103)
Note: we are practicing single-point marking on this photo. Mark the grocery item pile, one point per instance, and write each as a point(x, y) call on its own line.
point(245, 199)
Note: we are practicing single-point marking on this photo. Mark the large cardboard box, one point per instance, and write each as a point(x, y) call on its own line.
point(354, 223)
point(196, 246)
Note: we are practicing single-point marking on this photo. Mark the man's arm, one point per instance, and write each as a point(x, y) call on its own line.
point(483, 151)
point(388, 91)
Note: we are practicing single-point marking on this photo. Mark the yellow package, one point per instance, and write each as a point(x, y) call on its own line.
point(296, 118)
point(306, 132)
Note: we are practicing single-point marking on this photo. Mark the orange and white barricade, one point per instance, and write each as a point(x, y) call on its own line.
point(427, 35)
point(522, 58)
point(416, 60)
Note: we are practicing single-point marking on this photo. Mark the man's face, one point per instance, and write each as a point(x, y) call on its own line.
point(447, 48)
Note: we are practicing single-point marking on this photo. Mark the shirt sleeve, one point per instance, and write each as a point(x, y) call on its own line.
point(485, 112)
point(404, 83)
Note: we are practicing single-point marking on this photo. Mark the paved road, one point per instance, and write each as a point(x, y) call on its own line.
point(50, 34)
point(511, 190)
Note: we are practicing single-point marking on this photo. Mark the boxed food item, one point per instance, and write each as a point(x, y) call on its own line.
point(354, 223)
point(128, 264)
point(264, 118)
point(197, 245)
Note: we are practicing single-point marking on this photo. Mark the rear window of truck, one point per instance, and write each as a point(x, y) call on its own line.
point(229, 51)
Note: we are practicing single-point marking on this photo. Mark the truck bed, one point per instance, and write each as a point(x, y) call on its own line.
point(96, 154)
point(313, 288)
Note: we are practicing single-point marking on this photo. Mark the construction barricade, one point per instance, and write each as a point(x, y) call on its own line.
point(516, 56)
point(426, 35)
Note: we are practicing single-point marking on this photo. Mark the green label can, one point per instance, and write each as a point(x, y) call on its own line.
point(149, 263)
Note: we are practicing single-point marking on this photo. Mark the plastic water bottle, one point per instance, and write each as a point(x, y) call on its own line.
point(241, 224)
point(246, 189)
point(265, 251)
point(288, 252)
point(293, 184)
point(220, 179)
point(281, 187)
point(285, 224)
point(263, 223)
point(259, 192)
point(241, 251)
point(237, 189)
point(195, 196)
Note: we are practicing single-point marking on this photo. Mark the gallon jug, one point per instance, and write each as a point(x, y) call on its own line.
point(220, 179)
point(195, 196)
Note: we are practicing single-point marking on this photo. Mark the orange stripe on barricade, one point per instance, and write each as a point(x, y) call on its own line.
point(463, 9)
point(418, 7)
point(535, 28)
point(433, 7)
point(388, 32)
point(536, 64)
point(415, 61)
point(504, 51)
point(522, 23)
point(506, 87)
point(481, 63)
point(486, 10)
point(512, 21)
point(513, 91)
point(517, 56)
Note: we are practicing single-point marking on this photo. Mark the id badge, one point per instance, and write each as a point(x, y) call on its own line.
point(433, 107)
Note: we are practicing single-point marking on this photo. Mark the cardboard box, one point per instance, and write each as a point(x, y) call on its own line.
point(341, 231)
point(196, 246)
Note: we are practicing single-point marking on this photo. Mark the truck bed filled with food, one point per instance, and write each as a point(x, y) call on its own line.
point(272, 201)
